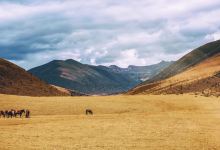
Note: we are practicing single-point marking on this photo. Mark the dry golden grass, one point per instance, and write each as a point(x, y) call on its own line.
point(205, 69)
point(119, 122)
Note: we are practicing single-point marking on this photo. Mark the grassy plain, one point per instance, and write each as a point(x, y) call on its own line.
point(149, 122)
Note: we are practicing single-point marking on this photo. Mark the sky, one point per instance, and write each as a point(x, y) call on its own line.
point(105, 32)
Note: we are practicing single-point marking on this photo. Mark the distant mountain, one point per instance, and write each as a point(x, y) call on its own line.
point(90, 79)
point(16, 81)
point(197, 72)
point(142, 73)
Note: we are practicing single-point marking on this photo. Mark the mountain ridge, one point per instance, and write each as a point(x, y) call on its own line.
point(91, 79)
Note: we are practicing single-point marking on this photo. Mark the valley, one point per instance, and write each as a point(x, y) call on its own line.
point(119, 122)
point(109, 75)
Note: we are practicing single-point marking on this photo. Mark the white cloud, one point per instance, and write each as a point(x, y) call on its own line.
point(31, 61)
point(213, 37)
point(127, 57)
point(216, 35)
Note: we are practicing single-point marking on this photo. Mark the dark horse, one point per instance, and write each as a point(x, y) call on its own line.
point(89, 112)
point(2, 114)
point(10, 114)
point(19, 113)
point(6, 113)
point(27, 114)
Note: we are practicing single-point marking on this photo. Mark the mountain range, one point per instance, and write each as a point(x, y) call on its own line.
point(91, 79)
point(197, 72)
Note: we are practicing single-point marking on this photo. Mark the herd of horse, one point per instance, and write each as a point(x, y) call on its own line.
point(20, 113)
point(15, 113)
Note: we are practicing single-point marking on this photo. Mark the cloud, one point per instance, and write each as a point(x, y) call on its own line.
point(45, 56)
point(126, 57)
point(216, 36)
point(124, 32)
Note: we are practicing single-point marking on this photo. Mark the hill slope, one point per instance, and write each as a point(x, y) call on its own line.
point(15, 80)
point(90, 79)
point(201, 77)
point(189, 60)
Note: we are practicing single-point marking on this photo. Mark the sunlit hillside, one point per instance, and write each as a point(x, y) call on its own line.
point(202, 78)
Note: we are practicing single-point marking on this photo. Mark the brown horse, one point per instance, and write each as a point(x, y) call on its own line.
point(27, 114)
point(2, 114)
point(19, 113)
point(89, 112)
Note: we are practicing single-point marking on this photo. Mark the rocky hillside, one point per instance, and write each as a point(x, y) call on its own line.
point(16, 81)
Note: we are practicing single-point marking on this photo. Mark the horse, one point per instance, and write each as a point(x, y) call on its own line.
point(89, 112)
point(2, 114)
point(6, 114)
point(13, 112)
point(10, 114)
point(19, 112)
point(27, 114)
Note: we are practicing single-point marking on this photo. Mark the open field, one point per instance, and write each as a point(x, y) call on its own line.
point(119, 122)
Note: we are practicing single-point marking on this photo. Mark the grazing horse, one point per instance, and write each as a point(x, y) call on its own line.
point(13, 112)
point(2, 114)
point(20, 113)
point(27, 114)
point(6, 114)
point(10, 114)
point(89, 112)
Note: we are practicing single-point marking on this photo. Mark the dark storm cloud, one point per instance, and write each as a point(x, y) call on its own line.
point(31, 36)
